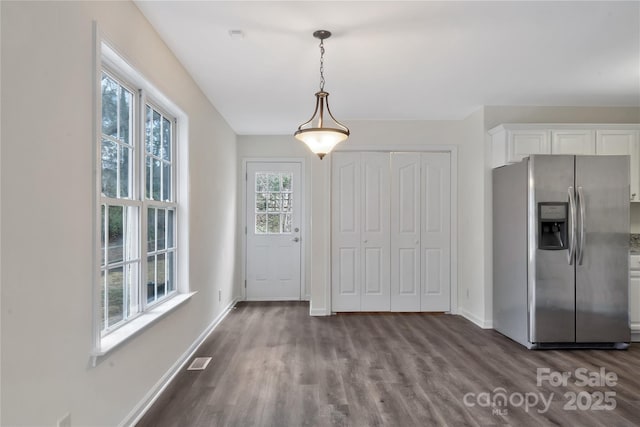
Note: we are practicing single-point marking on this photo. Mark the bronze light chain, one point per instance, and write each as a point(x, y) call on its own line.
point(321, 65)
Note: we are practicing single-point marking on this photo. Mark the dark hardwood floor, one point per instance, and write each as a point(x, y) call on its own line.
point(274, 365)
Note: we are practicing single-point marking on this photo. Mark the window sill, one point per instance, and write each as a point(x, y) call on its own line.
point(132, 328)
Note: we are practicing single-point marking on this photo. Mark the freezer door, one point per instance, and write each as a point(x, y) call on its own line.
point(551, 272)
point(602, 254)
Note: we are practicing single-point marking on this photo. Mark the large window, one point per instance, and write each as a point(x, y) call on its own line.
point(137, 204)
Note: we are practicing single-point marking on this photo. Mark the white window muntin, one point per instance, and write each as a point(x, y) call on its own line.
point(149, 203)
point(137, 198)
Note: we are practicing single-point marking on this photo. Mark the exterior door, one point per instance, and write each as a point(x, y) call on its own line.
point(273, 218)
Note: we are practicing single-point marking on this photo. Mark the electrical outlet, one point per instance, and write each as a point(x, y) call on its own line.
point(65, 421)
point(219, 295)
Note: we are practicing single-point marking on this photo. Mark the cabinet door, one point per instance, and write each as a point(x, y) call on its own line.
point(435, 232)
point(622, 142)
point(345, 242)
point(573, 142)
point(375, 233)
point(405, 232)
point(634, 300)
point(522, 143)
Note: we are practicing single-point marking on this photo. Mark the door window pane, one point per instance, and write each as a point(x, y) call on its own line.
point(273, 223)
point(261, 223)
point(274, 182)
point(261, 202)
point(286, 181)
point(286, 223)
point(273, 202)
point(273, 195)
point(261, 182)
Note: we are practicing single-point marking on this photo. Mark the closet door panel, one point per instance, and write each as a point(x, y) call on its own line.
point(405, 232)
point(345, 239)
point(375, 237)
point(435, 232)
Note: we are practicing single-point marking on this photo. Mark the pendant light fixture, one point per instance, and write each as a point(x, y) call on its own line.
point(315, 133)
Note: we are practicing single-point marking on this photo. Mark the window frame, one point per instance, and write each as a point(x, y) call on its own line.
point(133, 201)
point(147, 203)
point(107, 60)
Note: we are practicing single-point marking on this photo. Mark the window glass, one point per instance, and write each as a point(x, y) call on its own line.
point(137, 210)
point(273, 203)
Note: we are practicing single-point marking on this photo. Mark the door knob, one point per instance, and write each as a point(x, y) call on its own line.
point(296, 239)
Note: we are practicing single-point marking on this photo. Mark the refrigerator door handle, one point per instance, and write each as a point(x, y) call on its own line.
point(572, 228)
point(582, 226)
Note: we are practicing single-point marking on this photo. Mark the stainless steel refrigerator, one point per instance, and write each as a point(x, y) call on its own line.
point(561, 251)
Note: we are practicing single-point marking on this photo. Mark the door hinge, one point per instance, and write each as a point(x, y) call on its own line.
point(246, 176)
point(245, 229)
point(245, 283)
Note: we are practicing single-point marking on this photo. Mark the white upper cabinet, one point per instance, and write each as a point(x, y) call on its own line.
point(616, 142)
point(573, 142)
point(510, 143)
point(522, 143)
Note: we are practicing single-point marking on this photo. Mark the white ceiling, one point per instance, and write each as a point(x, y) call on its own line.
point(394, 60)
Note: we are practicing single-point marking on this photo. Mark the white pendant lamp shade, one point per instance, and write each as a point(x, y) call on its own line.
point(320, 138)
point(319, 134)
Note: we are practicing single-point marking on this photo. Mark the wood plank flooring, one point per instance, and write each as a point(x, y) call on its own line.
point(274, 365)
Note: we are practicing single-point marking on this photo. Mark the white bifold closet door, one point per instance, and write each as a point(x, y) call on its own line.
point(391, 232)
point(420, 232)
point(361, 235)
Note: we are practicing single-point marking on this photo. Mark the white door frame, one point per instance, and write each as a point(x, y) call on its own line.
point(453, 152)
point(303, 219)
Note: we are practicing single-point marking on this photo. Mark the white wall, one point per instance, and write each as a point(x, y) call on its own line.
point(47, 211)
point(466, 135)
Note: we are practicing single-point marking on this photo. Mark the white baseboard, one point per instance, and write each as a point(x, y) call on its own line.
point(635, 332)
point(149, 399)
point(318, 312)
point(484, 324)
